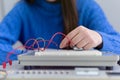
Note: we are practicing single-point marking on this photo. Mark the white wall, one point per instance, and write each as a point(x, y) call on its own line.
point(0, 13)
point(1, 9)
point(5, 7)
point(8, 4)
point(112, 10)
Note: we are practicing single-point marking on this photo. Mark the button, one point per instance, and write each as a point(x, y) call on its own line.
point(67, 72)
point(22, 72)
point(44, 72)
point(33, 72)
point(61, 72)
point(17, 72)
point(28, 72)
point(55, 72)
point(39, 72)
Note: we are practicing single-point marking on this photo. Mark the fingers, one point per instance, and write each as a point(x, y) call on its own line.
point(82, 43)
point(73, 37)
point(65, 42)
point(88, 46)
point(77, 39)
point(82, 37)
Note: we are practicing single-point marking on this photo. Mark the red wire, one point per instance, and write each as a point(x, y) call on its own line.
point(48, 41)
point(13, 51)
point(25, 46)
point(52, 42)
point(8, 55)
point(37, 42)
point(58, 33)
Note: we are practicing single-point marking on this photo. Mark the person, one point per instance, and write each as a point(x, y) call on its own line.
point(83, 22)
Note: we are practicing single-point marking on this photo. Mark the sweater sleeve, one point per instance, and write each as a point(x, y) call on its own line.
point(94, 19)
point(9, 33)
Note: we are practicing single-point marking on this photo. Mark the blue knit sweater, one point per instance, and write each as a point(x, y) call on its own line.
point(43, 19)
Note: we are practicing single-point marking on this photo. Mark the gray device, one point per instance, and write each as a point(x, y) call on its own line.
point(29, 59)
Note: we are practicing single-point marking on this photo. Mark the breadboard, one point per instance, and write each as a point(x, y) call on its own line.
point(68, 53)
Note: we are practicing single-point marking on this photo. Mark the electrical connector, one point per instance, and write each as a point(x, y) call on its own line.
point(4, 65)
point(10, 62)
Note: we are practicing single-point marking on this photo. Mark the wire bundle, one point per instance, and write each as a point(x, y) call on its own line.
point(32, 46)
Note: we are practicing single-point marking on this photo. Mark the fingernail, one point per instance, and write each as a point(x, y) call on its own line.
point(61, 46)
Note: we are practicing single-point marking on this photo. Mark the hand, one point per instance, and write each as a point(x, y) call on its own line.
point(82, 37)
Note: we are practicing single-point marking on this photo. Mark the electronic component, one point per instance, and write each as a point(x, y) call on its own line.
point(52, 52)
point(67, 58)
point(87, 71)
point(76, 74)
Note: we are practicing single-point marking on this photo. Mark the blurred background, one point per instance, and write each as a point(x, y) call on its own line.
point(110, 7)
